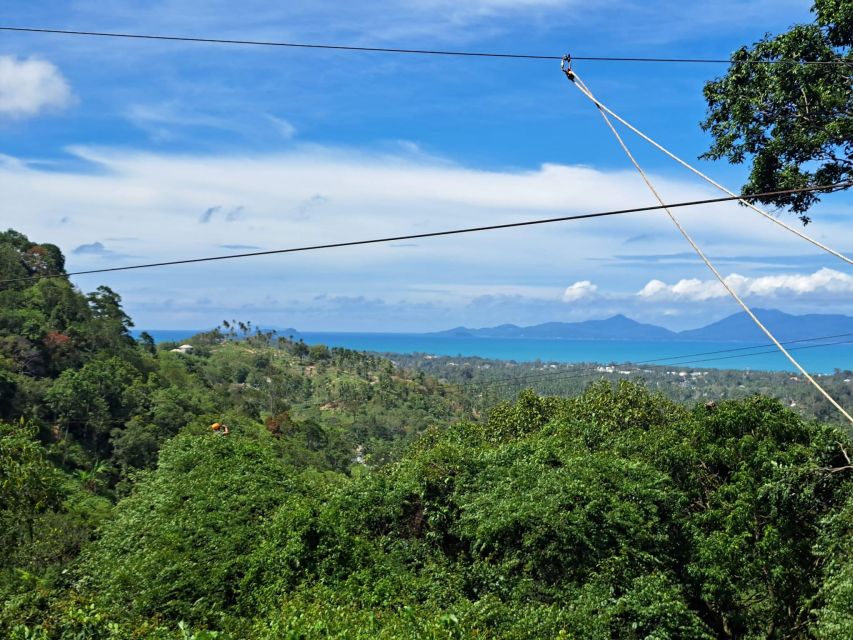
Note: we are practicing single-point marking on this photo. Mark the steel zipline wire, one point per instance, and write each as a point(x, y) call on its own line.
point(575, 80)
point(430, 234)
point(707, 178)
point(409, 51)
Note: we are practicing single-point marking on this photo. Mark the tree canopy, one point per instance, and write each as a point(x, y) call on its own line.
point(792, 122)
point(356, 498)
point(616, 514)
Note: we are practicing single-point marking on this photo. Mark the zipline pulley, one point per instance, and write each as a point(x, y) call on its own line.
point(566, 66)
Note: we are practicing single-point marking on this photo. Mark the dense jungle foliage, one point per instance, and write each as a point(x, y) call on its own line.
point(489, 381)
point(355, 499)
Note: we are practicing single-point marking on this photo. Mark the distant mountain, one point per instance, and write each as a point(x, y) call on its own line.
point(783, 325)
point(616, 328)
point(738, 327)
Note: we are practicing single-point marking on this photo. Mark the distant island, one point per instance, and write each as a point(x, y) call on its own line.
point(737, 327)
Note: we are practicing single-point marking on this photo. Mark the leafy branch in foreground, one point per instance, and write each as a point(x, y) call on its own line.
point(793, 122)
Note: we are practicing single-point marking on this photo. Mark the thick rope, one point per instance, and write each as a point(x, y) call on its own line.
point(583, 88)
point(710, 180)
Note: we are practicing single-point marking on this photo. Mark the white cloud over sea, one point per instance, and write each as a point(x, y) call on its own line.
point(579, 290)
point(824, 281)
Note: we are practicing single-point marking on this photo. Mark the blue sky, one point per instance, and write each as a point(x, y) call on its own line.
point(125, 151)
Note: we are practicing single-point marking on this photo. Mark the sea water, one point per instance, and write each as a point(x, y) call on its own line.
point(677, 354)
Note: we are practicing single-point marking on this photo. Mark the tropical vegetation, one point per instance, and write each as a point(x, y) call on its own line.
point(356, 498)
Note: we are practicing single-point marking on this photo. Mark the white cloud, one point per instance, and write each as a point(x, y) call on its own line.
point(579, 290)
point(653, 289)
point(170, 119)
point(31, 86)
point(289, 200)
point(825, 281)
point(171, 113)
point(372, 194)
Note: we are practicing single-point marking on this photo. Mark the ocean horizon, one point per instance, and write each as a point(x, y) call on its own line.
point(815, 357)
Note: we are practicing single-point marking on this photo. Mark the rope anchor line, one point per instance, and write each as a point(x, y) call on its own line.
point(573, 77)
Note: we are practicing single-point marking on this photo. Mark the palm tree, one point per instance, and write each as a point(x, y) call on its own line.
point(91, 478)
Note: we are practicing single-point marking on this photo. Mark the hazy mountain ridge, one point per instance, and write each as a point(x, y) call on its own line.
point(737, 327)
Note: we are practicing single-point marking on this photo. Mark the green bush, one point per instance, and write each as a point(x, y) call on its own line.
point(179, 545)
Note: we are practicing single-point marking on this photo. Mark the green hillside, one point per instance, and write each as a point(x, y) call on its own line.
point(489, 381)
point(352, 498)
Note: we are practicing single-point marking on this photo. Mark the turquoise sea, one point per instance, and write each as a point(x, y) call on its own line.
point(727, 355)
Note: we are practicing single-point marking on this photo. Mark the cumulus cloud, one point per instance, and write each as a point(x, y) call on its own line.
point(827, 281)
point(30, 86)
point(579, 290)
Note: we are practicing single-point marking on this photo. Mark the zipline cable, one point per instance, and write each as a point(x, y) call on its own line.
point(668, 360)
point(417, 236)
point(582, 87)
point(292, 45)
point(432, 52)
point(716, 184)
